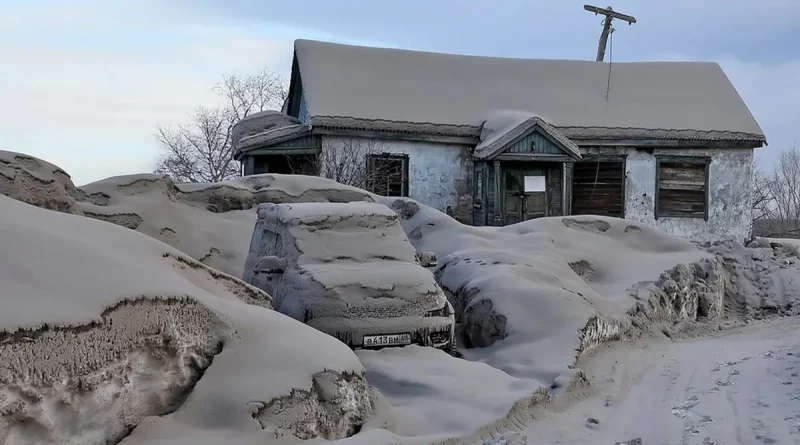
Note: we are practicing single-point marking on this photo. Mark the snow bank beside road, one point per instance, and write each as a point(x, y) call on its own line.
point(102, 327)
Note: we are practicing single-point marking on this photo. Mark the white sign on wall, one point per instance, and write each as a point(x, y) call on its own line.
point(534, 184)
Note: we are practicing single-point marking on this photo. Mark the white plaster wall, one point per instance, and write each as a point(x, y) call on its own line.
point(439, 175)
point(730, 193)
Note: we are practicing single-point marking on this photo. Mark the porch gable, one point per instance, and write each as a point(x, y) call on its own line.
point(532, 139)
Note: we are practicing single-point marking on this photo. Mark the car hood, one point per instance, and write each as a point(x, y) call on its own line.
point(377, 289)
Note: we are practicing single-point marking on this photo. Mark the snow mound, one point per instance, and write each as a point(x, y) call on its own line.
point(37, 182)
point(212, 223)
point(434, 395)
point(516, 288)
point(134, 329)
point(533, 296)
point(508, 439)
point(735, 284)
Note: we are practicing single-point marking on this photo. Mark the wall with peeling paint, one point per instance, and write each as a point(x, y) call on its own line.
point(439, 175)
point(730, 192)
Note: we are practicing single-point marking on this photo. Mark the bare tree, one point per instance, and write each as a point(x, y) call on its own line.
point(244, 95)
point(762, 197)
point(778, 213)
point(201, 151)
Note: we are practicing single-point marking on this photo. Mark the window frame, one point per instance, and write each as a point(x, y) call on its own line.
point(669, 159)
point(602, 158)
point(404, 180)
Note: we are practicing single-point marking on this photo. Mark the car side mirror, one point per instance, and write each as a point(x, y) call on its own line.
point(271, 264)
point(427, 259)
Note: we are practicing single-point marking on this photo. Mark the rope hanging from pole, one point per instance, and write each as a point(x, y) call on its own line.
point(610, 61)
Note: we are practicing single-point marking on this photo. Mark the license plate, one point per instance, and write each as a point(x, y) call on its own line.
point(387, 340)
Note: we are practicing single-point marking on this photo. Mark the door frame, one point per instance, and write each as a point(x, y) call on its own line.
point(521, 166)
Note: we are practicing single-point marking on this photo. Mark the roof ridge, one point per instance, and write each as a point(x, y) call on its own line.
point(480, 56)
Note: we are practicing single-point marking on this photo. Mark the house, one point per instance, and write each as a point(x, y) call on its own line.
point(495, 141)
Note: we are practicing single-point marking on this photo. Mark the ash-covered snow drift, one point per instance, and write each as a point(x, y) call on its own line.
point(93, 383)
point(37, 182)
point(212, 223)
point(103, 327)
point(548, 286)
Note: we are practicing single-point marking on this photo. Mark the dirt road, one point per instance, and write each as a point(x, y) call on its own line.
point(738, 387)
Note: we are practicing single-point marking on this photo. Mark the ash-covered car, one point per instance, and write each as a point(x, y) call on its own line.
point(348, 269)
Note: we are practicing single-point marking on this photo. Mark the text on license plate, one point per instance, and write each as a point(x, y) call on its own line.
point(387, 340)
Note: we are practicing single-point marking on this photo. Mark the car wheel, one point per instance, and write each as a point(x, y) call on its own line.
point(453, 350)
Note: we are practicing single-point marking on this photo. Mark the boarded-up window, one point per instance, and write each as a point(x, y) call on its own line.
point(387, 174)
point(598, 187)
point(682, 187)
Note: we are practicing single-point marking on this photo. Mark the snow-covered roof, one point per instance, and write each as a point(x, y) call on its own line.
point(271, 137)
point(264, 129)
point(424, 92)
point(259, 122)
point(498, 134)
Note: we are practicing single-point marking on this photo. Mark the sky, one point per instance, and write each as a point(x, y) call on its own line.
point(85, 83)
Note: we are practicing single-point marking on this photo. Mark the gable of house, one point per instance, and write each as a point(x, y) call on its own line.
point(529, 138)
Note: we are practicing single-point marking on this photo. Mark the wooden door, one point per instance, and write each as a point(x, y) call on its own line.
point(525, 193)
point(513, 195)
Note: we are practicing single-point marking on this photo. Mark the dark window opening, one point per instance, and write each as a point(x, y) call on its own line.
point(598, 187)
point(285, 164)
point(682, 187)
point(387, 174)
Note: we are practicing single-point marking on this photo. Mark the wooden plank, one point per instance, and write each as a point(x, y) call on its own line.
point(671, 193)
point(677, 185)
point(588, 179)
point(580, 194)
point(597, 188)
point(599, 212)
point(585, 193)
point(683, 175)
point(588, 197)
point(597, 185)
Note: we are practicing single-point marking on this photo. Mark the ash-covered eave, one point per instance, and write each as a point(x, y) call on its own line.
point(577, 134)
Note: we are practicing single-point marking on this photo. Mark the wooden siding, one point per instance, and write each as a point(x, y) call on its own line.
point(555, 188)
point(682, 188)
point(480, 198)
point(295, 91)
point(491, 201)
point(568, 172)
point(542, 143)
point(598, 187)
point(306, 142)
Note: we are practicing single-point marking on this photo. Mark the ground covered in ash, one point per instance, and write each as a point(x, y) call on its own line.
point(537, 304)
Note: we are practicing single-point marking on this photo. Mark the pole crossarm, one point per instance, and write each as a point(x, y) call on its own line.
point(608, 12)
point(610, 15)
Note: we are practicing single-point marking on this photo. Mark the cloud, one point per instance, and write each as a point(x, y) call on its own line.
point(770, 91)
point(752, 29)
point(85, 82)
point(94, 111)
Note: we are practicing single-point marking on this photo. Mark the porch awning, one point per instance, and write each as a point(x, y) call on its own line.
point(499, 140)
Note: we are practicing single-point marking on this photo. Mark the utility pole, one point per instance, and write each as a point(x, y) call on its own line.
point(610, 15)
